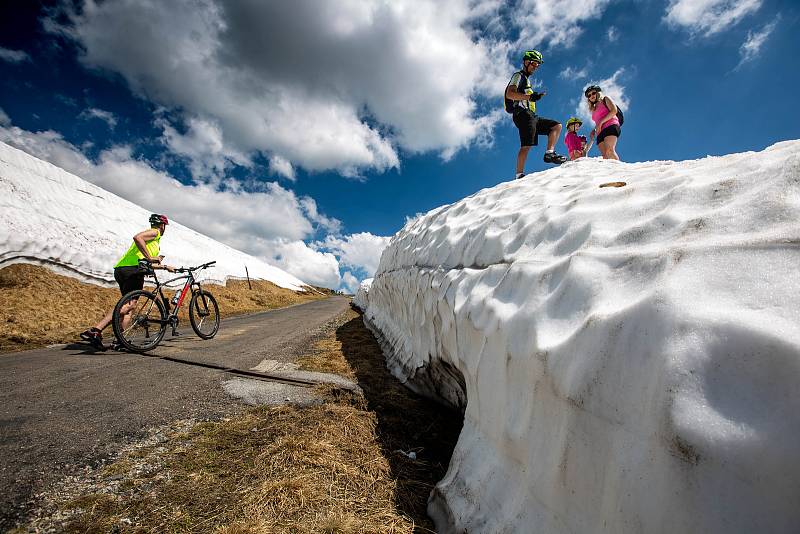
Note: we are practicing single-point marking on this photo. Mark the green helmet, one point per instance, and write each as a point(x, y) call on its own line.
point(533, 55)
point(573, 120)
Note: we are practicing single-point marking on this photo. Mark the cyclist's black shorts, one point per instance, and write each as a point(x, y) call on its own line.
point(531, 126)
point(129, 278)
point(609, 130)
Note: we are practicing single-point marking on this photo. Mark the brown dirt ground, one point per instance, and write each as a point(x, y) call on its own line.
point(336, 467)
point(39, 307)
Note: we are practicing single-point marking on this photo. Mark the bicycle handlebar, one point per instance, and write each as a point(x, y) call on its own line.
point(199, 267)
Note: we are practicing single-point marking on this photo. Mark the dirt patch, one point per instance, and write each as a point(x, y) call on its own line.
point(344, 465)
point(41, 307)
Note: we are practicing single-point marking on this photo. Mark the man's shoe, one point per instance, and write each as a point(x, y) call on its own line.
point(94, 337)
point(555, 159)
point(519, 175)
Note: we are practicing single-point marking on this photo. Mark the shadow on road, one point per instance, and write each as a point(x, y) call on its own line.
point(406, 422)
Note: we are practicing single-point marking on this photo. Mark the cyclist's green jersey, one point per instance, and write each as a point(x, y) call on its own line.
point(133, 255)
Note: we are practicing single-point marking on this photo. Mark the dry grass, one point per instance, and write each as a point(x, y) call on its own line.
point(332, 468)
point(40, 307)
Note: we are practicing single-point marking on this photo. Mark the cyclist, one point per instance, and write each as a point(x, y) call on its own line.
point(520, 101)
point(146, 246)
point(606, 119)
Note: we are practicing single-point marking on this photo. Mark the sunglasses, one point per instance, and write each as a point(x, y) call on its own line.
point(590, 95)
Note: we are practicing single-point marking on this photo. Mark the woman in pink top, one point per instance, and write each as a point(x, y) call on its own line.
point(604, 115)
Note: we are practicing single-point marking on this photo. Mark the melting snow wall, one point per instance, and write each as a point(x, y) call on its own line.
point(56, 219)
point(628, 359)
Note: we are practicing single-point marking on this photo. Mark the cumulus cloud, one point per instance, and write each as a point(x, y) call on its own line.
point(708, 17)
point(270, 223)
point(612, 34)
point(202, 146)
point(554, 22)
point(574, 73)
point(613, 88)
point(349, 282)
point(311, 266)
point(94, 113)
point(13, 56)
point(751, 47)
point(362, 250)
point(367, 78)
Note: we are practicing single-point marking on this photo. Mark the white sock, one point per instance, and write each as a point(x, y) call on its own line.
point(549, 151)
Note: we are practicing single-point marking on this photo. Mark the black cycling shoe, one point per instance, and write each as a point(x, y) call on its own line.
point(95, 338)
point(555, 159)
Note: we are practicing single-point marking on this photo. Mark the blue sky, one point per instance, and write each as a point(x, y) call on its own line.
point(309, 132)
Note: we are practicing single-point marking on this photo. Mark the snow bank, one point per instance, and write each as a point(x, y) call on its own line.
point(628, 359)
point(362, 295)
point(53, 218)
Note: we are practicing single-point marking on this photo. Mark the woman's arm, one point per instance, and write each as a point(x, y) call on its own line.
point(612, 112)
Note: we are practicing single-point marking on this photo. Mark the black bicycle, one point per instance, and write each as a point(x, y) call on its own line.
point(141, 317)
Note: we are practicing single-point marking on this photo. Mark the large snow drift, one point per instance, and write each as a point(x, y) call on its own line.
point(53, 218)
point(628, 359)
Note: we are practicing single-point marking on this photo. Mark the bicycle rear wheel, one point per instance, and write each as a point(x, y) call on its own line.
point(145, 324)
point(204, 314)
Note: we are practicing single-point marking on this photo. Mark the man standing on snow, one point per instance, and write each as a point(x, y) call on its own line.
point(520, 101)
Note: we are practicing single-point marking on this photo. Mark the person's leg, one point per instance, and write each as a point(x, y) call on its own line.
point(522, 155)
point(552, 137)
point(611, 147)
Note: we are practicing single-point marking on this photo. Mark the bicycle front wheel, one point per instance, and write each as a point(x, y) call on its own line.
point(139, 321)
point(204, 314)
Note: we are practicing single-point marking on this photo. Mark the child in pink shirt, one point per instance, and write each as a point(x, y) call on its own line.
point(576, 144)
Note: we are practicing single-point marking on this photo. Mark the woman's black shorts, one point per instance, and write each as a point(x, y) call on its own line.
point(129, 278)
point(614, 130)
point(527, 123)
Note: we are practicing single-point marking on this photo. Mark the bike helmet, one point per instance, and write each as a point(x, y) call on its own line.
point(533, 55)
point(158, 219)
point(591, 88)
point(573, 120)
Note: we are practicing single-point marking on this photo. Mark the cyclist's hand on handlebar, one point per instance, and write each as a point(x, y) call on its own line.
point(169, 268)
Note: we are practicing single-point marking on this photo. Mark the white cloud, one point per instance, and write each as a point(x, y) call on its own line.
point(362, 250)
point(4, 119)
point(282, 166)
point(367, 76)
point(611, 87)
point(202, 145)
point(612, 34)
point(752, 45)
point(94, 113)
point(350, 283)
point(571, 73)
point(708, 17)
point(554, 22)
point(13, 56)
point(312, 266)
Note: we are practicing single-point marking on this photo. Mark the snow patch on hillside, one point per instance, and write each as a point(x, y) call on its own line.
point(53, 218)
point(627, 358)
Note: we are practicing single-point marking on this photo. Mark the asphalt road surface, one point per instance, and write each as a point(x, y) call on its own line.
point(66, 407)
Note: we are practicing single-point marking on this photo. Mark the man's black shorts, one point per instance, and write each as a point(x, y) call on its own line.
point(609, 130)
point(527, 123)
point(129, 278)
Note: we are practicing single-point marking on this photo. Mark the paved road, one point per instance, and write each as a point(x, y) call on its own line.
point(66, 407)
